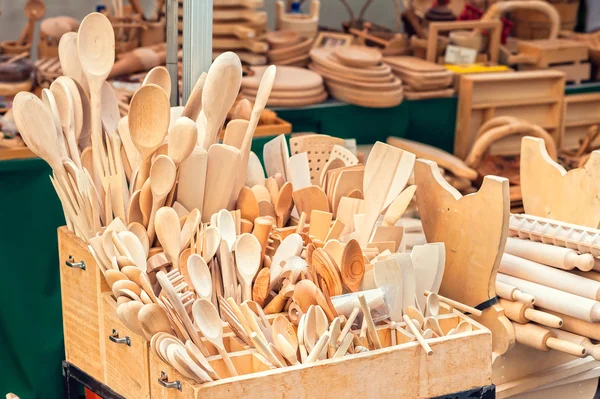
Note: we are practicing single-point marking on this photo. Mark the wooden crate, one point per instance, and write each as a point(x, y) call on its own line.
point(81, 291)
point(567, 56)
point(126, 367)
point(582, 111)
point(459, 362)
point(535, 96)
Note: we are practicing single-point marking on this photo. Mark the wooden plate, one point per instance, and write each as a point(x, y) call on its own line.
point(394, 84)
point(288, 52)
point(287, 78)
point(369, 101)
point(424, 95)
point(283, 38)
point(282, 94)
point(358, 56)
point(351, 76)
point(291, 102)
point(409, 63)
point(321, 56)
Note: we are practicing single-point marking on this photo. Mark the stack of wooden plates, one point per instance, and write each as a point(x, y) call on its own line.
point(293, 87)
point(288, 47)
point(355, 74)
point(422, 79)
point(237, 26)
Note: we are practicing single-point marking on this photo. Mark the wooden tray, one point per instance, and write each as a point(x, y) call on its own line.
point(536, 97)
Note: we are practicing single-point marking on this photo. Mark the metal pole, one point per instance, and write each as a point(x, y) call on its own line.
point(172, 49)
point(197, 42)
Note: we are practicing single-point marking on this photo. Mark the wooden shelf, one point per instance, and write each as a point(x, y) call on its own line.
point(517, 103)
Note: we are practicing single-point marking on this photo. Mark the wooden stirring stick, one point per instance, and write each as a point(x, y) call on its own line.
point(418, 335)
point(370, 325)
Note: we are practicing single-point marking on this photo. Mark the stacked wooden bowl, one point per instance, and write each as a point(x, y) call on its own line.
point(288, 47)
point(356, 74)
point(293, 87)
point(422, 79)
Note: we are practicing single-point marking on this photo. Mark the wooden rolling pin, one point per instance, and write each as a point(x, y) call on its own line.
point(577, 326)
point(550, 255)
point(590, 348)
point(542, 339)
point(549, 276)
point(524, 313)
point(556, 300)
point(513, 293)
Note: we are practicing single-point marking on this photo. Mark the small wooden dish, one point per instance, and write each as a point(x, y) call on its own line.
point(283, 38)
point(358, 56)
point(297, 49)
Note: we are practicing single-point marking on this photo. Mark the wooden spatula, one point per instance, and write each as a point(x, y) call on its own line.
point(223, 164)
point(192, 178)
point(386, 173)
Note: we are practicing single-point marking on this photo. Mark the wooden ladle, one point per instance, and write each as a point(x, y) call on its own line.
point(34, 11)
point(247, 259)
point(149, 116)
point(208, 321)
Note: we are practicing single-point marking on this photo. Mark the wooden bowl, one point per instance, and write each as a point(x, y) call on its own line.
point(283, 38)
point(19, 71)
point(11, 47)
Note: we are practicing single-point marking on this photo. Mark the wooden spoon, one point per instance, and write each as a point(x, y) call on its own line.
point(149, 116)
point(247, 259)
point(284, 204)
point(135, 248)
point(112, 276)
point(260, 289)
point(212, 240)
point(34, 11)
point(96, 49)
point(50, 103)
point(65, 108)
point(194, 104)
point(168, 231)
point(154, 319)
point(219, 93)
point(38, 132)
point(141, 234)
point(129, 313)
point(398, 206)
point(264, 90)
point(433, 305)
point(208, 321)
point(182, 139)
point(159, 76)
point(162, 179)
point(197, 356)
point(200, 276)
point(227, 227)
point(70, 65)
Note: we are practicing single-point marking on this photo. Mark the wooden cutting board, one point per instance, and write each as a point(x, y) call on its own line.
point(442, 158)
point(474, 229)
point(350, 76)
point(551, 192)
point(369, 101)
point(287, 78)
point(286, 94)
point(286, 53)
point(393, 84)
point(318, 147)
point(357, 56)
point(367, 92)
point(321, 55)
point(294, 102)
point(233, 43)
point(410, 63)
point(425, 95)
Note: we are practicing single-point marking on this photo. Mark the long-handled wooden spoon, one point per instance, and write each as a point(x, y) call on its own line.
point(219, 93)
point(149, 116)
point(200, 276)
point(162, 178)
point(96, 48)
point(182, 140)
point(70, 65)
point(159, 76)
point(208, 321)
point(168, 231)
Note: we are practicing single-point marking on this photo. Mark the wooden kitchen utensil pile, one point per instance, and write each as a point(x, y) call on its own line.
point(293, 87)
point(422, 79)
point(356, 74)
point(238, 26)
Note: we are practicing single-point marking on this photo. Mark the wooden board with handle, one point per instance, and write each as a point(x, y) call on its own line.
point(549, 190)
point(474, 230)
